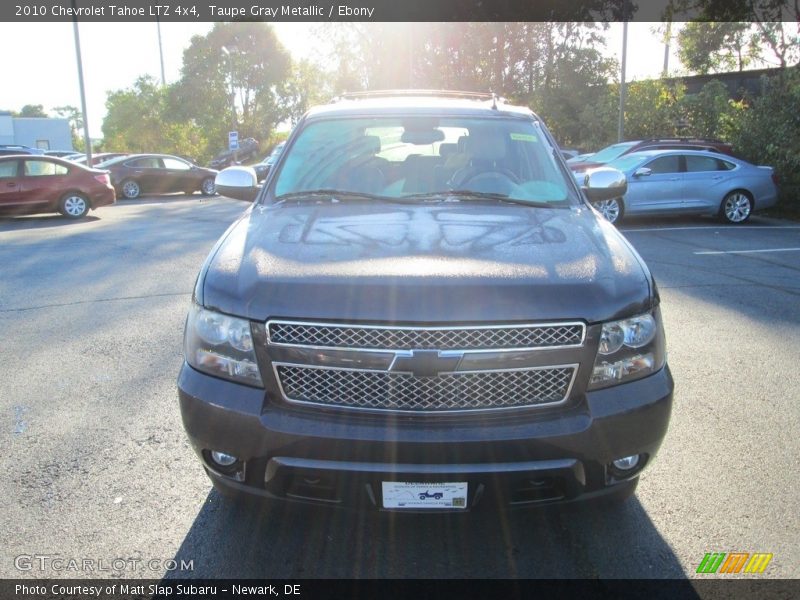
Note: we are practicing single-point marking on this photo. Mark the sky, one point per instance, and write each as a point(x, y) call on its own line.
point(116, 54)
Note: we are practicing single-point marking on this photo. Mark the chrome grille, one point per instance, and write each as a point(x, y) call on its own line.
point(457, 391)
point(483, 338)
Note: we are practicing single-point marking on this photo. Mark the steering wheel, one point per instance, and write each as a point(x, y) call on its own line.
point(488, 180)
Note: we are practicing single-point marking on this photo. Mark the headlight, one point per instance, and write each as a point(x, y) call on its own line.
point(221, 345)
point(628, 350)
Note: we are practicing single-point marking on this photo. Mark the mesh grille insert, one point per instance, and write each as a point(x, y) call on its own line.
point(410, 338)
point(446, 392)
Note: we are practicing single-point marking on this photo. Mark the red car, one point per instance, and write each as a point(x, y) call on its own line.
point(35, 184)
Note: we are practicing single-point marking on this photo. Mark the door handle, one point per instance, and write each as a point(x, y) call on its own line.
point(11, 184)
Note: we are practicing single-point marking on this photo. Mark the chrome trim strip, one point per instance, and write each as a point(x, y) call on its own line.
point(580, 324)
point(573, 366)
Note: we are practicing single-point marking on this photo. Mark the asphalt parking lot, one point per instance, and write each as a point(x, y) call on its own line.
point(95, 464)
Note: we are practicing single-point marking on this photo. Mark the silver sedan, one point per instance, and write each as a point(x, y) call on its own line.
point(690, 181)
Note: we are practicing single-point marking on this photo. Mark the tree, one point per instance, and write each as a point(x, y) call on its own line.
point(652, 109)
point(716, 47)
point(767, 132)
point(736, 34)
point(305, 88)
point(75, 118)
point(709, 112)
point(234, 78)
point(143, 119)
point(33, 110)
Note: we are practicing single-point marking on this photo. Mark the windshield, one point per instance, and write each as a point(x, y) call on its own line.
point(627, 162)
point(611, 152)
point(424, 157)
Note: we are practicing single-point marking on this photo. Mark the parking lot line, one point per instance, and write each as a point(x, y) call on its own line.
point(717, 227)
point(748, 251)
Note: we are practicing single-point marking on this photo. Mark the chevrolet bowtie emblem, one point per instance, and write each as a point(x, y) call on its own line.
point(425, 363)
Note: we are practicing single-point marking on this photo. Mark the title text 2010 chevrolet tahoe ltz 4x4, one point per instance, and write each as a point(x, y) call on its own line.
point(421, 311)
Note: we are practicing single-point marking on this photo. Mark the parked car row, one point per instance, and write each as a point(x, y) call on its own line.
point(35, 183)
point(681, 175)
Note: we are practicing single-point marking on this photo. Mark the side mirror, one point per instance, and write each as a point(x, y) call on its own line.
point(604, 183)
point(642, 172)
point(237, 182)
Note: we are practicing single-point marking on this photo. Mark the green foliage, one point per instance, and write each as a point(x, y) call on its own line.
point(234, 78)
point(597, 119)
point(652, 109)
point(75, 118)
point(142, 119)
point(715, 47)
point(709, 113)
point(304, 89)
point(33, 110)
point(768, 132)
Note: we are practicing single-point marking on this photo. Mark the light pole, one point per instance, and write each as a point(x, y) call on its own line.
point(161, 52)
point(229, 59)
point(86, 140)
point(234, 126)
point(622, 90)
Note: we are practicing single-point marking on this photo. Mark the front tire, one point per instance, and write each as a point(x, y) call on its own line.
point(207, 188)
point(130, 189)
point(74, 205)
point(612, 210)
point(736, 207)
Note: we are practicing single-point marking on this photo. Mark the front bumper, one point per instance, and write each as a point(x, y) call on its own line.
point(340, 458)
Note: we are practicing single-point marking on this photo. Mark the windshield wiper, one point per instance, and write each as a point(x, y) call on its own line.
point(458, 195)
point(330, 194)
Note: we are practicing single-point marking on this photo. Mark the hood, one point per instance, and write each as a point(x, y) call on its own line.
point(432, 263)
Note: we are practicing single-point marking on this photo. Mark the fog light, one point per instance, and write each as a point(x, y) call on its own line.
point(224, 460)
point(626, 464)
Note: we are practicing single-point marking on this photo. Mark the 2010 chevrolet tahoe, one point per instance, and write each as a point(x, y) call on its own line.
point(420, 311)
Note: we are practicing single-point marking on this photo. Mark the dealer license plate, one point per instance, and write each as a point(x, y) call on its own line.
point(398, 494)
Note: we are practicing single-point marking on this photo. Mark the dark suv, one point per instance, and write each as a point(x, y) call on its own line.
point(421, 298)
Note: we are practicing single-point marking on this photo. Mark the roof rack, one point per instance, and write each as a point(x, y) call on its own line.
point(432, 93)
point(685, 139)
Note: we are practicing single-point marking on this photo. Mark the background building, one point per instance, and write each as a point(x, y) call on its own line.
point(44, 133)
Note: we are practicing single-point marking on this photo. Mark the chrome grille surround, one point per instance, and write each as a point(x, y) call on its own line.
point(454, 392)
point(484, 338)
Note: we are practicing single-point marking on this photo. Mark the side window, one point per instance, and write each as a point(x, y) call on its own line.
point(175, 164)
point(725, 165)
point(695, 164)
point(665, 164)
point(144, 163)
point(41, 168)
point(9, 168)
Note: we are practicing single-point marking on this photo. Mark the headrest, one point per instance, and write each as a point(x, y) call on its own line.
point(486, 144)
point(446, 150)
point(369, 144)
